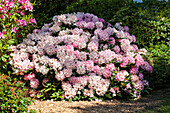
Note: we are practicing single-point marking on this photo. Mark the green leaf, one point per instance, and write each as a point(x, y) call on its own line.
point(108, 95)
point(47, 89)
point(3, 59)
point(70, 100)
point(94, 97)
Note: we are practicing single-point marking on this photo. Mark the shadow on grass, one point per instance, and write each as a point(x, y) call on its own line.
point(157, 101)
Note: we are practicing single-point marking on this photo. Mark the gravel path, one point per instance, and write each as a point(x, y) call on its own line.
point(116, 106)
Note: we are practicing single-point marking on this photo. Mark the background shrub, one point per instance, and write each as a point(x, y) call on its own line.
point(101, 8)
point(150, 24)
point(159, 58)
point(149, 19)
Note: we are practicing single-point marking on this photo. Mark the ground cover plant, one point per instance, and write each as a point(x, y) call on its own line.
point(13, 96)
point(80, 56)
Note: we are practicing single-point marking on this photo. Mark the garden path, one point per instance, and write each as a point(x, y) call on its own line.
point(152, 102)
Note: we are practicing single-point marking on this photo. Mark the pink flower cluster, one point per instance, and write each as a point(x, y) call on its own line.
point(10, 8)
point(95, 54)
point(26, 5)
point(33, 81)
point(76, 84)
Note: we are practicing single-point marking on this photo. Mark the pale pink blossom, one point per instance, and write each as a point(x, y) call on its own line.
point(138, 85)
point(99, 25)
point(116, 49)
point(67, 72)
point(110, 66)
point(125, 62)
point(34, 83)
point(112, 90)
point(134, 78)
point(107, 73)
point(93, 46)
point(29, 76)
point(120, 76)
point(139, 60)
point(60, 76)
point(89, 65)
point(104, 36)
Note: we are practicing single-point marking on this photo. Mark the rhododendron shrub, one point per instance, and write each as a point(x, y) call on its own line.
point(16, 21)
point(80, 56)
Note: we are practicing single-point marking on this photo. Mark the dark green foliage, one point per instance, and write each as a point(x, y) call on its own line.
point(44, 10)
point(148, 21)
point(159, 57)
point(102, 8)
point(13, 96)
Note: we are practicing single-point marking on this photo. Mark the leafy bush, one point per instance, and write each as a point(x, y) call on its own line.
point(15, 22)
point(148, 21)
point(159, 58)
point(13, 96)
point(80, 56)
point(46, 9)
